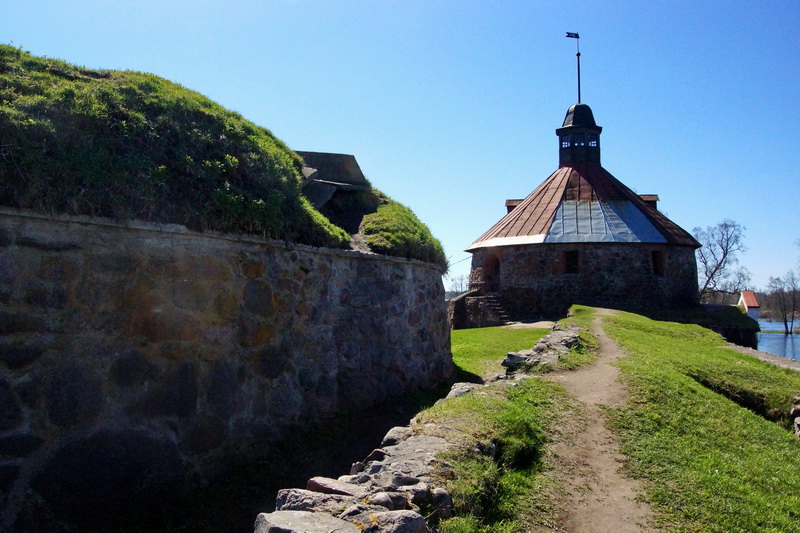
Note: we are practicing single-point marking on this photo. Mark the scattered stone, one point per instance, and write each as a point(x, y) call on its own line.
point(302, 522)
point(391, 500)
point(461, 388)
point(420, 493)
point(332, 486)
point(400, 522)
point(376, 455)
point(382, 494)
point(794, 416)
point(383, 499)
point(403, 480)
point(513, 360)
point(396, 435)
point(307, 500)
point(547, 351)
point(356, 479)
point(442, 503)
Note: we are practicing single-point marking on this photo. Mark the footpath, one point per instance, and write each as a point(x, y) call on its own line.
point(387, 492)
point(585, 456)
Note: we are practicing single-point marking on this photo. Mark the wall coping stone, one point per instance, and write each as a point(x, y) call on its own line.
point(178, 229)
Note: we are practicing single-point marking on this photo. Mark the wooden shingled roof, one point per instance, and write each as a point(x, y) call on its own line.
point(577, 184)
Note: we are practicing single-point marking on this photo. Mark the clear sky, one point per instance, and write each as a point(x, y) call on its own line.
point(450, 107)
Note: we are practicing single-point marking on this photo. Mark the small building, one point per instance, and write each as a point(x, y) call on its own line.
point(748, 300)
point(581, 237)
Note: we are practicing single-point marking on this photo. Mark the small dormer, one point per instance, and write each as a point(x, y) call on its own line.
point(511, 204)
point(650, 199)
point(579, 137)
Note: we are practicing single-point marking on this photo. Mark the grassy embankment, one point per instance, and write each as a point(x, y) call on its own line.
point(497, 481)
point(706, 427)
point(130, 145)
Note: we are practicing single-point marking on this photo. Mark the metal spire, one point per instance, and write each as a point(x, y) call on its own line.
point(578, 42)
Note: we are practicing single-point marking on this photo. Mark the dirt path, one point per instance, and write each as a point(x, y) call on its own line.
point(585, 456)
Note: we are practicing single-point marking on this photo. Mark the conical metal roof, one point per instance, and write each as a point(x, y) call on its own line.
point(583, 202)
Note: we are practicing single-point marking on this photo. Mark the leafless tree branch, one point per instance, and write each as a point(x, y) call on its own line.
point(718, 257)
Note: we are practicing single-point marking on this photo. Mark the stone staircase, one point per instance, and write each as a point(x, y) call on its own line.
point(475, 309)
point(495, 307)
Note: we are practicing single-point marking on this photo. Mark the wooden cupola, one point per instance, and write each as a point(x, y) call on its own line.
point(579, 137)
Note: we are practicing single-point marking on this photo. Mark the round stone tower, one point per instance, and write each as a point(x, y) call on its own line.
point(583, 237)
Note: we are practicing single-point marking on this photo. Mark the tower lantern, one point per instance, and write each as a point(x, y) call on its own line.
point(579, 137)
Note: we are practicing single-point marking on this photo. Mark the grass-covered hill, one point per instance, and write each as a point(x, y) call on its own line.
point(707, 430)
point(130, 145)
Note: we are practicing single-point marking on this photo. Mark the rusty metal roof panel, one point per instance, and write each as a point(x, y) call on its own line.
point(583, 202)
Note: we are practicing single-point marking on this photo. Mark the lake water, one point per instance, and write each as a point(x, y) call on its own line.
point(778, 343)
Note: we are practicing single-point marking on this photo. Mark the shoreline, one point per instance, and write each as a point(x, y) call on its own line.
point(777, 360)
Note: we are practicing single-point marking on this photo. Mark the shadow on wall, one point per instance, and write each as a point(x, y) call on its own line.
point(138, 360)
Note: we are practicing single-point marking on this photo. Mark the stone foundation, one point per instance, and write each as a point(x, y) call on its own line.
point(544, 280)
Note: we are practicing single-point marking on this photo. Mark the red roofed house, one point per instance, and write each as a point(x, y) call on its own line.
point(750, 302)
point(582, 237)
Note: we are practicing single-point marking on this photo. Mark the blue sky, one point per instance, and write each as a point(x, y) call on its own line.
point(451, 107)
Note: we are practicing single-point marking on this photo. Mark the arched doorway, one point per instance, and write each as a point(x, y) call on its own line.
point(491, 273)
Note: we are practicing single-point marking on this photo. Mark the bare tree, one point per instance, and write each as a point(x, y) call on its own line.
point(718, 257)
point(792, 286)
point(777, 296)
point(784, 299)
point(458, 283)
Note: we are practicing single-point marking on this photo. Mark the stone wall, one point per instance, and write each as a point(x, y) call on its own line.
point(535, 281)
point(133, 358)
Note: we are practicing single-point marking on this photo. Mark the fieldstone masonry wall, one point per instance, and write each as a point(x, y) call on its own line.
point(534, 281)
point(133, 358)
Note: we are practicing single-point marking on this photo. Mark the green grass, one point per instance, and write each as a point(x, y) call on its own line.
point(707, 316)
point(394, 230)
point(130, 145)
point(478, 352)
point(494, 475)
point(713, 465)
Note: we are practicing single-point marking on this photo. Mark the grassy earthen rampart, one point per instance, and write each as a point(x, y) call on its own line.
point(130, 145)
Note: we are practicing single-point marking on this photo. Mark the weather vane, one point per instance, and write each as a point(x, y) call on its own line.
point(578, 42)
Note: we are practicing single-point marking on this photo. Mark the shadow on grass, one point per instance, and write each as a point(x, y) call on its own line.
point(467, 377)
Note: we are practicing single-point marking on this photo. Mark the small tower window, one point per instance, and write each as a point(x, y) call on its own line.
point(579, 139)
point(592, 138)
point(572, 262)
point(565, 141)
point(657, 257)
